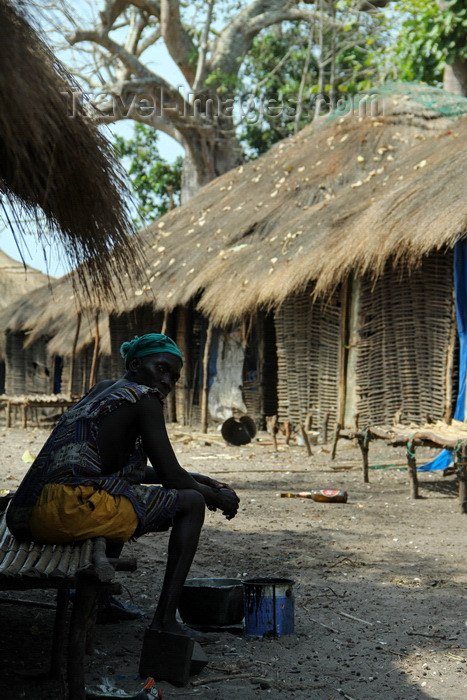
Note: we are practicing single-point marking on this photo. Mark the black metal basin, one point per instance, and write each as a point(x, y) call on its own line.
point(212, 602)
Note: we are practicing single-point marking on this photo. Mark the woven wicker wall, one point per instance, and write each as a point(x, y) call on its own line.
point(404, 328)
point(81, 373)
point(15, 382)
point(27, 370)
point(307, 337)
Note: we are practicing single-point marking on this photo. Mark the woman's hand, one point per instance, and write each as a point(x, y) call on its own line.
point(227, 502)
point(222, 497)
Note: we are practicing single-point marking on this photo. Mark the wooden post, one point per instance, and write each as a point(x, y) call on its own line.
point(24, 415)
point(325, 428)
point(165, 322)
point(352, 350)
point(343, 351)
point(73, 354)
point(363, 440)
point(450, 365)
point(168, 329)
point(205, 388)
point(287, 431)
point(95, 354)
point(337, 431)
point(461, 461)
point(183, 335)
point(85, 599)
point(59, 634)
point(273, 429)
point(305, 439)
point(412, 465)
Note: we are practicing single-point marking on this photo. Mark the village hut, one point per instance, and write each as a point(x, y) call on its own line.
point(55, 164)
point(52, 344)
point(323, 271)
point(317, 282)
point(15, 281)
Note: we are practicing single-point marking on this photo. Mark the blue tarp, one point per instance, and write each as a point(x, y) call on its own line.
point(444, 459)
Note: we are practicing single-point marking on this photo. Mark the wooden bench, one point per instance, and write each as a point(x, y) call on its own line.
point(81, 566)
point(28, 404)
point(451, 437)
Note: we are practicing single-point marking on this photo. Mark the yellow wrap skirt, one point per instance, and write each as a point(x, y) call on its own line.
point(66, 513)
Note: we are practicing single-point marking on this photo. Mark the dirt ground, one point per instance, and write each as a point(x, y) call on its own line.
point(380, 592)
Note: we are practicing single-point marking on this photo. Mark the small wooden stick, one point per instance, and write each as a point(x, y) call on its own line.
point(337, 431)
point(238, 676)
point(305, 440)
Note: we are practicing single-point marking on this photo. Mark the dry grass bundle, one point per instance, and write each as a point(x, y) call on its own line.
point(58, 165)
point(53, 314)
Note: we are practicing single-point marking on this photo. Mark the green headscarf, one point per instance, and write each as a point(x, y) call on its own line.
point(148, 344)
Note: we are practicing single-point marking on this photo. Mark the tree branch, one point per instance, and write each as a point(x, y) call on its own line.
point(177, 40)
point(109, 113)
point(112, 9)
point(235, 40)
point(152, 8)
point(102, 39)
point(149, 41)
point(203, 48)
point(137, 25)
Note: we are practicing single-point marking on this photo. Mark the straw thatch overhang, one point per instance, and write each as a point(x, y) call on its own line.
point(17, 279)
point(51, 341)
point(52, 313)
point(346, 194)
point(55, 162)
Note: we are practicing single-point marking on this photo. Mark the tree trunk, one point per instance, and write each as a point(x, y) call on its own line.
point(208, 155)
point(455, 77)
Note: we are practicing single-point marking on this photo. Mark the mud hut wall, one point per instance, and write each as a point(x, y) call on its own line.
point(307, 336)
point(405, 320)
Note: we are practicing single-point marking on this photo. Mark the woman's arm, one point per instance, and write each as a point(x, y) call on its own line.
point(169, 472)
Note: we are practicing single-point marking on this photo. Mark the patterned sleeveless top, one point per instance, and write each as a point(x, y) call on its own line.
point(71, 456)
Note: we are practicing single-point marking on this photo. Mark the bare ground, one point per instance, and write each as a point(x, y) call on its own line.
point(380, 593)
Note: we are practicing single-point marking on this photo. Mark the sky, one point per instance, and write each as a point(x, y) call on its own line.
point(54, 263)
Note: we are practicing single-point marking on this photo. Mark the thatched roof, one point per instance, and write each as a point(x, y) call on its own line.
point(16, 280)
point(342, 195)
point(56, 165)
point(52, 313)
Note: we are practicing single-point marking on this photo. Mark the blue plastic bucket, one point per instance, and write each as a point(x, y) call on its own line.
point(269, 607)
